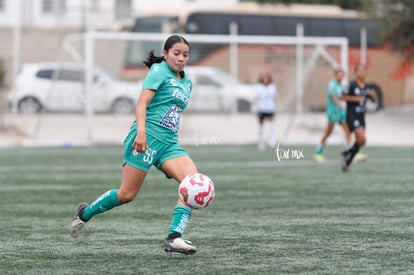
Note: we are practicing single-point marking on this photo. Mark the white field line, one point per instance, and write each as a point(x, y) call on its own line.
point(108, 167)
point(93, 168)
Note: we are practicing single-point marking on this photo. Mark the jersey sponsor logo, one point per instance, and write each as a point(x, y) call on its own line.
point(181, 92)
point(181, 96)
point(171, 120)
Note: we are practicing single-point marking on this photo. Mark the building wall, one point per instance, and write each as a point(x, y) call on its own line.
point(96, 14)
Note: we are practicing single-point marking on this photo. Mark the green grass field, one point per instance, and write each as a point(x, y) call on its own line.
point(268, 217)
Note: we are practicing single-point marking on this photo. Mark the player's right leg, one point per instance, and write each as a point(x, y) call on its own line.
point(132, 179)
point(348, 155)
point(178, 168)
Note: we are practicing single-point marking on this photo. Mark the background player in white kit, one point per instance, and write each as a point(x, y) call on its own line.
point(265, 105)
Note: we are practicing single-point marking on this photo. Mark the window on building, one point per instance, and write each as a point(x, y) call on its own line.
point(122, 9)
point(53, 6)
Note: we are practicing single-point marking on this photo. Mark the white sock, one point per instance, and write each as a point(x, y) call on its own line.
point(273, 135)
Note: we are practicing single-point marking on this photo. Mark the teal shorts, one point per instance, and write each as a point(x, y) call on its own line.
point(157, 153)
point(337, 116)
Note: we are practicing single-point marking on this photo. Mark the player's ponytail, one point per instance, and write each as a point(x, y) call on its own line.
point(173, 39)
point(152, 58)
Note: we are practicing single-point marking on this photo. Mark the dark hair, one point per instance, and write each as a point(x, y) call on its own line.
point(262, 76)
point(358, 66)
point(173, 39)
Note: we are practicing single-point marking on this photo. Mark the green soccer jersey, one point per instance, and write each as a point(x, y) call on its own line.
point(334, 88)
point(171, 98)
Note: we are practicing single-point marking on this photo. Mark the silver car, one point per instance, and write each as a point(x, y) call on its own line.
point(59, 87)
point(216, 91)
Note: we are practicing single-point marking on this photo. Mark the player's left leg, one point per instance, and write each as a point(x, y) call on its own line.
point(360, 157)
point(132, 180)
point(347, 133)
point(318, 156)
point(178, 168)
point(260, 133)
point(273, 131)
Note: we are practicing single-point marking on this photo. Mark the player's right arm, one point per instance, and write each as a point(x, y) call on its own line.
point(352, 98)
point(140, 142)
point(349, 94)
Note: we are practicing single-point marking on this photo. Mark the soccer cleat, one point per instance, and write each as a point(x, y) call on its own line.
point(319, 158)
point(179, 245)
point(360, 157)
point(77, 224)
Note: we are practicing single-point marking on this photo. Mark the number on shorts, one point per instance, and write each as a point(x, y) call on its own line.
point(149, 155)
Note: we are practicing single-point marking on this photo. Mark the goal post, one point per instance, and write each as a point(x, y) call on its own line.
point(233, 42)
point(299, 41)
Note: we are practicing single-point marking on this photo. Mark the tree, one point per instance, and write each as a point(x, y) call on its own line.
point(397, 16)
point(398, 31)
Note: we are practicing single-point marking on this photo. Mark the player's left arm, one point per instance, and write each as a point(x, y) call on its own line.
point(372, 95)
point(337, 101)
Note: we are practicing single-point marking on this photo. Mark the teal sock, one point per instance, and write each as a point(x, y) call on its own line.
point(319, 149)
point(105, 202)
point(179, 221)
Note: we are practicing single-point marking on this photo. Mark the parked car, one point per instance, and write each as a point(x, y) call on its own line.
point(59, 87)
point(216, 91)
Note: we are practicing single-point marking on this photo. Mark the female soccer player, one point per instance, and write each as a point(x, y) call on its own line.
point(153, 140)
point(356, 97)
point(335, 112)
point(266, 108)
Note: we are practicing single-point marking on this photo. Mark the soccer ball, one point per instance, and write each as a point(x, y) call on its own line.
point(197, 191)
